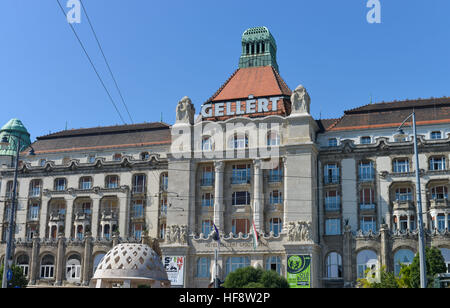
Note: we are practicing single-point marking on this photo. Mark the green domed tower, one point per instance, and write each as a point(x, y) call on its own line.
point(12, 130)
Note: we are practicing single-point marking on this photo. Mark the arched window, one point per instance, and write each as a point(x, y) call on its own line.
point(47, 267)
point(23, 261)
point(402, 256)
point(98, 258)
point(366, 259)
point(207, 144)
point(73, 268)
point(334, 265)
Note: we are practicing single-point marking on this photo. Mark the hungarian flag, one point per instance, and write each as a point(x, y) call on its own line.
point(217, 235)
point(255, 237)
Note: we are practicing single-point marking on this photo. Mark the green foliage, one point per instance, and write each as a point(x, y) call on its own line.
point(435, 264)
point(250, 277)
point(383, 280)
point(18, 279)
point(404, 279)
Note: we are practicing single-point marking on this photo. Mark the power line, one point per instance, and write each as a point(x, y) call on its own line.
point(92, 64)
point(106, 61)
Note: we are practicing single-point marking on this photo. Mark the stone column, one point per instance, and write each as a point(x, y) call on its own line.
point(219, 167)
point(34, 261)
point(43, 218)
point(446, 221)
point(60, 260)
point(87, 259)
point(115, 240)
point(95, 217)
point(347, 256)
point(285, 195)
point(258, 199)
point(68, 222)
point(385, 247)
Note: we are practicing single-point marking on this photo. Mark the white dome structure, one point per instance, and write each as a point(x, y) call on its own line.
point(130, 265)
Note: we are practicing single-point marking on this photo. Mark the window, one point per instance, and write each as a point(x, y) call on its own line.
point(240, 226)
point(207, 227)
point(86, 183)
point(207, 144)
point(31, 232)
point(364, 260)
point(164, 182)
point(207, 176)
point(239, 142)
point(162, 231)
point(366, 171)
point(446, 254)
point(138, 208)
point(47, 267)
point(273, 263)
point(35, 188)
point(207, 200)
point(241, 174)
point(203, 267)
point(436, 135)
point(33, 212)
point(275, 197)
point(9, 189)
point(112, 181)
point(276, 226)
point(98, 258)
point(145, 155)
point(366, 140)
point(367, 198)
point(439, 193)
point(42, 162)
point(163, 205)
point(241, 198)
point(23, 262)
point(437, 163)
point(117, 157)
point(273, 139)
point(233, 263)
point(403, 194)
point(331, 174)
point(440, 222)
point(332, 142)
point(332, 226)
point(401, 165)
point(136, 230)
point(275, 175)
point(403, 256)
point(332, 200)
point(139, 183)
point(60, 184)
point(91, 159)
point(368, 223)
point(73, 268)
point(334, 265)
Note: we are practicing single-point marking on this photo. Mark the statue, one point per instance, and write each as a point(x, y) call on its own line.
point(300, 101)
point(185, 111)
point(300, 231)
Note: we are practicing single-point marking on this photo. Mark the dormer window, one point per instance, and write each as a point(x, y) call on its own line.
point(332, 142)
point(145, 155)
point(436, 135)
point(366, 140)
point(117, 157)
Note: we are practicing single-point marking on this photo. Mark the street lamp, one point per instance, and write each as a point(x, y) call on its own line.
point(423, 268)
point(8, 255)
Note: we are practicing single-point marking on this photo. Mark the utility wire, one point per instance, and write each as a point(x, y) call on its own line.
point(92, 64)
point(106, 61)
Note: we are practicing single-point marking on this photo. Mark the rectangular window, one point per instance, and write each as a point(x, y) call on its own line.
point(332, 226)
point(206, 227)
point(85, 183)
point(35, 188)
point(331, 174)
point(207, 176)
point(439, 193)
point(137, 231)
point(60, 184)
point(276, 226)
point(203, 267)
point(332, 200)
point(233, 263)
point(368, 223)
point(208, 200)
point(138, 209)
point(403, 194)
point(241, 198)
point(435, 135)
point(367, 199)
point(366, 171)
point(33, 214)
point(273, 263)
point(276, 175)
point(240, 226)
point(366, 140)
point(139, 184)
point(332, 142)
point(112, 181)
point(241, 174)
point(437, 163)
point(276, 197)
point(163, 205)
point(401, 166)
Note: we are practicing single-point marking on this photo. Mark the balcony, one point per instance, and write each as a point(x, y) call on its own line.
point(240, 179)
point(405, 205)
point(109, 216)
point(366, 207)
point(82, 216)
point(57, 216)
point(275, 178)
point(332, 204)
point(439, 203)
point(207, 181)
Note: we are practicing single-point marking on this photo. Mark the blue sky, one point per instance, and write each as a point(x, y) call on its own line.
point(161, 51)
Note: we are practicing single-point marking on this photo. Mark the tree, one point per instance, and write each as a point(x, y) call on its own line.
point(382, 280)
point(250, 277)
point(435, 264)
point(18, 280)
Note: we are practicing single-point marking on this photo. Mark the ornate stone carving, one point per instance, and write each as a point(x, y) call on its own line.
point(300, 101)
point(185, 111)
point(300, 231)
point(177, 234)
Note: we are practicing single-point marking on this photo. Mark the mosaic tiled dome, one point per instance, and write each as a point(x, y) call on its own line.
point(131, 261)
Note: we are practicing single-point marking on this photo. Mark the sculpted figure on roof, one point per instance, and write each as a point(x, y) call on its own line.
point(300, 101)
point(185, 111)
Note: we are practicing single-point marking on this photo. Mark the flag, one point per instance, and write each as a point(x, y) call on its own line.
point(255, 237)
point(217, 237)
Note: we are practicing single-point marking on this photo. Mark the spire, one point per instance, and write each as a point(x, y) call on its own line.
point(12, 130)
point(258, 48)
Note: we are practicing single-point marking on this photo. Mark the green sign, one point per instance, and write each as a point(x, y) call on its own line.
point(299, 271)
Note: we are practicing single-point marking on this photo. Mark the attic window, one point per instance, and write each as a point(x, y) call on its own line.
point(117, 156)
point(332, 142)
point(436, 135)
point(263, 47)
point(247, 49)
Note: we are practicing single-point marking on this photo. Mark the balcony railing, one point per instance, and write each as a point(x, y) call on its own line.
point(332, 204)
point(404, 205)
point(241, 179)
point(333, 179)
point(439, 203)
point(207, 181)
point(366, 207)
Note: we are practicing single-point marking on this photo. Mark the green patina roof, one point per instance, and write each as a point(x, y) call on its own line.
point(258, 48)
point(12, 130)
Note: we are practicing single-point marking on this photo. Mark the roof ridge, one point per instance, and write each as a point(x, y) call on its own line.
point(279, 80)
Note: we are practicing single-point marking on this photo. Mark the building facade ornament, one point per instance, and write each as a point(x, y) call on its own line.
point(177, 234)
point(185, 111)
point(300, 101)
point(300, 231)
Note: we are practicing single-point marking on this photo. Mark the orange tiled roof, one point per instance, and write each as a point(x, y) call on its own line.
point(262, 81)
